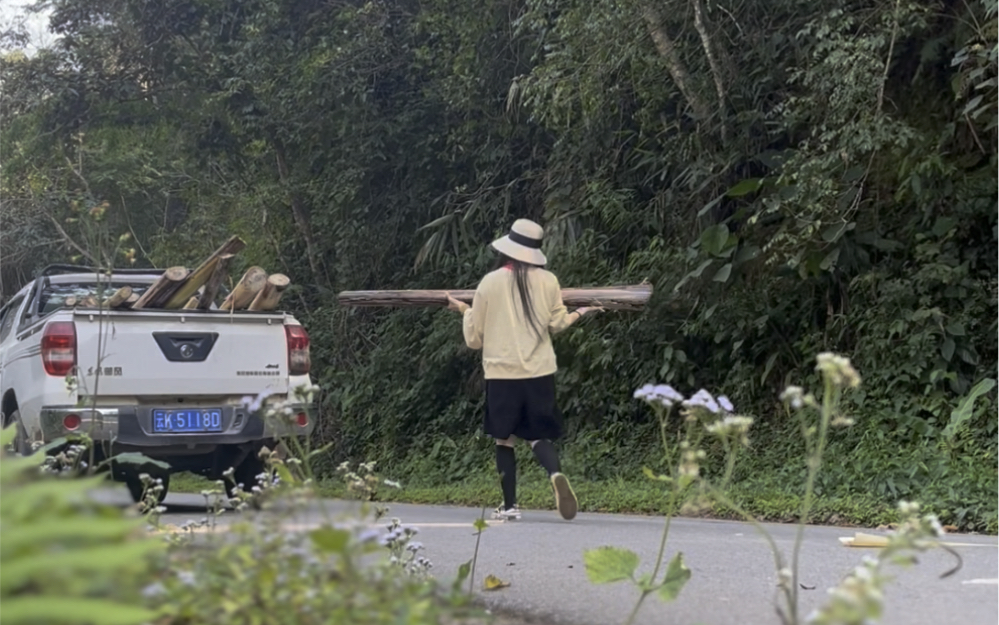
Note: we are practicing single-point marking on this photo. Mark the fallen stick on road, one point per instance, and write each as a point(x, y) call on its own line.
point(611, 298)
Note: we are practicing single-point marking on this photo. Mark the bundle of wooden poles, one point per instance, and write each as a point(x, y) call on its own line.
point(179, 288)
point(633, 297)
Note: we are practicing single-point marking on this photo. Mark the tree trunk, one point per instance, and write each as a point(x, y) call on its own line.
point(667, 49)
point(298, 210)
point(716, 71)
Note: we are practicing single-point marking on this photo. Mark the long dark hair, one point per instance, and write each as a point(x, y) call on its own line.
point(524, 289)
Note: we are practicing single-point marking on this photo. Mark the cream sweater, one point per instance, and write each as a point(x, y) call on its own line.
point(495, 324)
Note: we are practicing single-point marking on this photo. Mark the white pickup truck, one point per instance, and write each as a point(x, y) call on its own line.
point(170, 384)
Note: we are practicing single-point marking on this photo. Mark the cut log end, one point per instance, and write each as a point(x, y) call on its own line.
point(270, 295)
point(246, 289)
point(160, 292)
point(119, 297)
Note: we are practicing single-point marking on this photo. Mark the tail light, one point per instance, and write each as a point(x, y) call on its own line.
point(299, 361)
point(59, 348)
point(302, 419)
point(71, 421)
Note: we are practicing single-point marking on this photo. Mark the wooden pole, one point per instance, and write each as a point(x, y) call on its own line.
point(270, 295)
point(161, 290)
point(203, 273)
point(246, 289)
point(119, 297)
point(211, 290)
point(191, 303)
point(633, 297)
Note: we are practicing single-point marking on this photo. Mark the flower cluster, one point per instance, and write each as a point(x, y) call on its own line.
point(859, 598)
point(795, 395)
point(254, 404)
point(663, 394)
point(71, 460)
point(364, 482)
point(690, 460)
point(403, 549)
point(837, 369)
point(915, 527)
point(703, 399)
point(287, 408)
point(731, 425)
point(667, 396)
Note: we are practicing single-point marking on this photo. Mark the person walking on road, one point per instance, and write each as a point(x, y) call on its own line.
point(516, 309)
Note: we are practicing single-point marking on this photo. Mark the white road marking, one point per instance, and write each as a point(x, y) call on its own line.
point(981, 581)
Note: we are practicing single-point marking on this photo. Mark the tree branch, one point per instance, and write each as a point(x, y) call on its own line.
point(716, 71)
point(68, 239)
point(667, 50)
point(298, 209)
point(891, 51)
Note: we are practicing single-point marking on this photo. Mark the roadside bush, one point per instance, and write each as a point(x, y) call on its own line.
point(68, 559)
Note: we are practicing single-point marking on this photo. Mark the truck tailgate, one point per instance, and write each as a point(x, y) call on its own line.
point(181, 353)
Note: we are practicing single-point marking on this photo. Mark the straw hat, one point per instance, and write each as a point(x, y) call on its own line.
point(523, 243)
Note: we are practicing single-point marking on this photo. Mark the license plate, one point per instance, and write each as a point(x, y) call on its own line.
point(187, 420)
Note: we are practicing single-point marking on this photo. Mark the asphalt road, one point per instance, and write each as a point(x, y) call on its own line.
point(733, 581)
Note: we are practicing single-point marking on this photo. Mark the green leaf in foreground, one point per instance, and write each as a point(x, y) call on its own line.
point(69, 610)
point(330, 540)
point(463, 572)
point(480, 524)
point(50, 531)
point(99, 559)
point(677, 575)
point(605, 565)
point(965, 408)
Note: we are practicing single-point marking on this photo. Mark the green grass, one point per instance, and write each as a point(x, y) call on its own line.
point(860, 484)
point(639, 496)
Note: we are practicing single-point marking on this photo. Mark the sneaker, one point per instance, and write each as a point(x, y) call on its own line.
point(565, 499)
point(507, 514)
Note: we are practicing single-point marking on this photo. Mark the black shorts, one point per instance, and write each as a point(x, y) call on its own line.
point(523, 408)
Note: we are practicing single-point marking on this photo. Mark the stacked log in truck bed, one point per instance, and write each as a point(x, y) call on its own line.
point(179, 288)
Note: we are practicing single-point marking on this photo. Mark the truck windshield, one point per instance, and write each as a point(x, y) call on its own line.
point(56, 296)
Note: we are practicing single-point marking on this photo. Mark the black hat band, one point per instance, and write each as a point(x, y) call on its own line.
point(525, 241)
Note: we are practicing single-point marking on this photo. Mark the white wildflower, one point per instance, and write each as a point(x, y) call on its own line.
point(837, 369)
point(731, 425)
point(725, 403)
point(784, 577)
point(794, 395)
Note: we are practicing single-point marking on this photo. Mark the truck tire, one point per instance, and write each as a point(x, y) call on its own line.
point(21, 444)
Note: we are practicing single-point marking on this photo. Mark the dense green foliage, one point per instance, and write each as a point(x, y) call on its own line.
point(793, 177)
point(68, 559)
